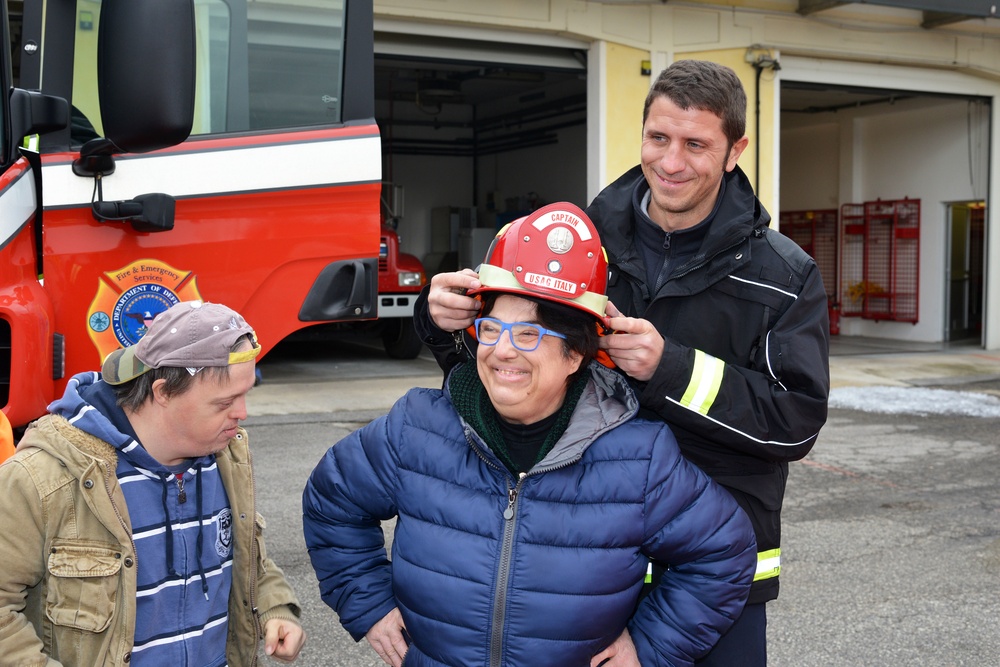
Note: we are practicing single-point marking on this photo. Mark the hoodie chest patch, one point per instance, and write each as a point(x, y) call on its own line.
point(224, 534)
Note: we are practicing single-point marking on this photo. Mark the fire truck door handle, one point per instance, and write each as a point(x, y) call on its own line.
point(152, 212)
point(117, 210)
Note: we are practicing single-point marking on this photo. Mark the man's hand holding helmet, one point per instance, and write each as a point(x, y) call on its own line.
point(447, 303)
point(638, 353)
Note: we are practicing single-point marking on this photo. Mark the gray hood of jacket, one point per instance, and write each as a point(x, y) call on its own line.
point(607, 402)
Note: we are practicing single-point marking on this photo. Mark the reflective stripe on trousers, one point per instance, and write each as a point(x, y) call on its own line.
point(768, 566)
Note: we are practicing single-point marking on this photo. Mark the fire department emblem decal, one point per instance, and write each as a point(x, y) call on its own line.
point(129, 298)
point(224, 538)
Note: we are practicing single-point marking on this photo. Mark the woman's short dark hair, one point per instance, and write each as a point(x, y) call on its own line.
point(132, 395)
point(580, 328)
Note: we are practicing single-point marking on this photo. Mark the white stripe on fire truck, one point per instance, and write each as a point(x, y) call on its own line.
point(17, 204)
point(219, 172)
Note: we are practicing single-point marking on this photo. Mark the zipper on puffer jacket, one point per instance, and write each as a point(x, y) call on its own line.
point(506, 548)
point(503, 575)
point(506, 555)
point(507, 540)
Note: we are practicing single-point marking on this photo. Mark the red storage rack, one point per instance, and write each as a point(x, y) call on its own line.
point(816, 233)
point(880, 260)
point(852, 259)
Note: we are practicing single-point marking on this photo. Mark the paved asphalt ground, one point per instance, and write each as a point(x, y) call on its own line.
point(891, 525)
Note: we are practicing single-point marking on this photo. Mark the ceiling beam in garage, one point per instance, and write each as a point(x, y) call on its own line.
point(966, 8)
point(936, 12)
point(938, 19)
point(807, 7)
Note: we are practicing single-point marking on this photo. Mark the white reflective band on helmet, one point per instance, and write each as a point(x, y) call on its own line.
point(705, 381)
point(768, 564)
point(495, 277)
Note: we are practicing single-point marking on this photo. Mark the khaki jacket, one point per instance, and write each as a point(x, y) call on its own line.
point(68, 579)
point(6, 438)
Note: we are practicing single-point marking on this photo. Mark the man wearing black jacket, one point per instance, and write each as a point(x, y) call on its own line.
point(719, 321)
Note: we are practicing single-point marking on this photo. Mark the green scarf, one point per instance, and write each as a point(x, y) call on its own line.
point(471, 401)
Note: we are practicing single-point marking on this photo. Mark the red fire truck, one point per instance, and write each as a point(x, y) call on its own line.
point(400, 278)
point(163, 150)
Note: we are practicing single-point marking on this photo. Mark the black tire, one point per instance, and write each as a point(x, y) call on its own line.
point(400, 338)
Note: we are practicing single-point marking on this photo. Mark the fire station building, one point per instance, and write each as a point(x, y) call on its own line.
point(870, 127)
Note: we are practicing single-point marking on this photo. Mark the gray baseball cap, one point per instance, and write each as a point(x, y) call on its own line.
point(189, 334)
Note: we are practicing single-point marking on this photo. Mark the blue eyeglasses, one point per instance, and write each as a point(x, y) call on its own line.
point(524, 335)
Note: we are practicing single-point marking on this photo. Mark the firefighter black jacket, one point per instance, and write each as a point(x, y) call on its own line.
point(744, 377)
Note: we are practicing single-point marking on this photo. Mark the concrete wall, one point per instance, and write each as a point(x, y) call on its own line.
point(810, 161)
point(625, 90)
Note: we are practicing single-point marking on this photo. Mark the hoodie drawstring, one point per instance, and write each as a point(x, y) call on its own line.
point(169, 532)
point(198, 541)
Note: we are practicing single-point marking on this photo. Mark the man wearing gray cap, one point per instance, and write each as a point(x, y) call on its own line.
point(135, 539)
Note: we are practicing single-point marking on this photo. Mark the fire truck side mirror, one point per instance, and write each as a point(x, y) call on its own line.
point(149, 106)
point(34, 113)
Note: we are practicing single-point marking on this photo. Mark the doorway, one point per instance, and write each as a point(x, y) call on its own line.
point(965, 234)
point(477, 132)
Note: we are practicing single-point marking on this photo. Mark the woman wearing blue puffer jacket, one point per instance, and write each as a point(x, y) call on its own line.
point(528, 497)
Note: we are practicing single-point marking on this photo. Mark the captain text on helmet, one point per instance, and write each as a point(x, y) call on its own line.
point(529, 497)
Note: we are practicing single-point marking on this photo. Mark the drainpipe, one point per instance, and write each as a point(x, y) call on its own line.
point(762, 63)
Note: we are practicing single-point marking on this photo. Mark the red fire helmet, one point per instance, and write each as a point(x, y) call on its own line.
point(554, 254)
